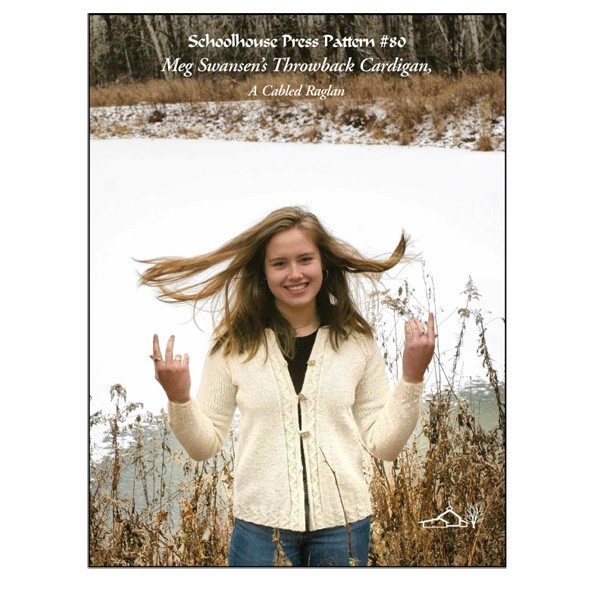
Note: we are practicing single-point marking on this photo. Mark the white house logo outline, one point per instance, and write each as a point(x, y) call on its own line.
point(449, 518)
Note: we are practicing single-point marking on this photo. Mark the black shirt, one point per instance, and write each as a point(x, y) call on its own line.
point(297, 365)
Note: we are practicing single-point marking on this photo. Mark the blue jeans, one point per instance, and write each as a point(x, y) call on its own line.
point(253, 545)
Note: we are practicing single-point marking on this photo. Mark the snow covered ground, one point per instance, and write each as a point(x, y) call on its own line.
point(159, 197)
point(285, 121)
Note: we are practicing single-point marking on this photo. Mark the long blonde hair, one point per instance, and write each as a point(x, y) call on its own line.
point(242, 296)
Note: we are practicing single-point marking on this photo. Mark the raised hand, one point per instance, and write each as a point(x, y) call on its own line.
point(418, 349)
point(173, 373)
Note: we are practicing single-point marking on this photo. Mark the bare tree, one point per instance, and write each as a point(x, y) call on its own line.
point(474, 513)
point(157, 46)
point(473, 22)
point(410, 39)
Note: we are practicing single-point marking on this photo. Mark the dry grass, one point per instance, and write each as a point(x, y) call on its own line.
point(416, 96)
point(435, 93)
point(484, 143)
point(151, 505)
point(140, 517)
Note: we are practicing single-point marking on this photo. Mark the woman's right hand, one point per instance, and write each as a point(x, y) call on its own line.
point(173, 373)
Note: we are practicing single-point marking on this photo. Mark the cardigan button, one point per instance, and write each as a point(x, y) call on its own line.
point(302, 397)
point(304, 434)
point(311, 363)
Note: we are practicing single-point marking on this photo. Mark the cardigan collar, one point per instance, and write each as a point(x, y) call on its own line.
point(276, 355)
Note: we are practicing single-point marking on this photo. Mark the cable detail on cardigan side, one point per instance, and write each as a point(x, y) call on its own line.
point(291, 430)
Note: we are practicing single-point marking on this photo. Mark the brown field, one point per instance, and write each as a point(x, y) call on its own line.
point(432, 94)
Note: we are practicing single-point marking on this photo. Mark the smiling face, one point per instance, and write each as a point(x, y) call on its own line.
point(294, 273)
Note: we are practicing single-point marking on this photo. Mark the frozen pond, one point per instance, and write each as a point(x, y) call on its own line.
point(153, 198)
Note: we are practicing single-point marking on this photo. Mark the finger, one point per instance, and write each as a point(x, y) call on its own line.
point(408, 329)
point(431, 327)
point(156, 348)
point(186, 361)
point(177, 357)
point(169, 350)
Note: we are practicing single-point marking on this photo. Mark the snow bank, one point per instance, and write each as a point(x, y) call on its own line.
point(286, 121)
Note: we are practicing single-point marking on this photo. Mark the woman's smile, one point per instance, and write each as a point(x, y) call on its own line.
point(296, 288)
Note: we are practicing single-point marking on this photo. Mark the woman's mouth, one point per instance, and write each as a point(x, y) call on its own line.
point(296, 288)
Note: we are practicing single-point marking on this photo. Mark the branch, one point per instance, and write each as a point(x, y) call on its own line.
point(343, 508)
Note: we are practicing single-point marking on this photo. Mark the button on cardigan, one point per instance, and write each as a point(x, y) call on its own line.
point(346, 401)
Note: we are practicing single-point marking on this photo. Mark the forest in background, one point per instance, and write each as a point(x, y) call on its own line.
point(133, 47)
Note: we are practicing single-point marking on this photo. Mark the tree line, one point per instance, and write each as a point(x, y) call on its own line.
point(134, 47)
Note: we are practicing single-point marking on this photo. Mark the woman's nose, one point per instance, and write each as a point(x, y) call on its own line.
point(295, 271)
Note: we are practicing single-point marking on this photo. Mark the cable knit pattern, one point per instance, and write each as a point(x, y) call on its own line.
point(345, 395)
point(289, 417)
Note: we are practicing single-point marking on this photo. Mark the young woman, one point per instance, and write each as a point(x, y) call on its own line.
point(293, 353)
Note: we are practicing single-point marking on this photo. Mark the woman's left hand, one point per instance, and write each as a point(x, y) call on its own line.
point(418, 349)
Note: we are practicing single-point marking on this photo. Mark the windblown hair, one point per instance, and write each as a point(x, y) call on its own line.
point(245, 303)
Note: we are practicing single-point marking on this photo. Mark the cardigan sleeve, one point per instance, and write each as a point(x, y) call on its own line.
point(385, 420)
point(201, 425)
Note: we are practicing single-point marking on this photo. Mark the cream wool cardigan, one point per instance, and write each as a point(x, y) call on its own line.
point(345, 397)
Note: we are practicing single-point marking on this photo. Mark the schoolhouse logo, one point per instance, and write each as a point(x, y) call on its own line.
point(450, 518)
